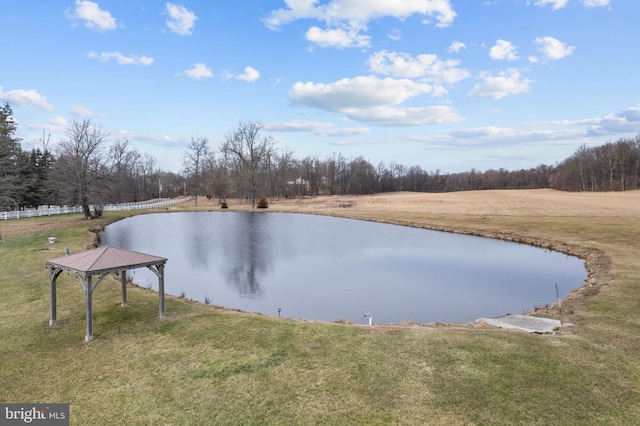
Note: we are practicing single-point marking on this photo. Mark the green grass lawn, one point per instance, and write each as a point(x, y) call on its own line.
point(204, 365)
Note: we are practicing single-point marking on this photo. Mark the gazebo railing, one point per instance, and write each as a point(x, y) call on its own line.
point(58, 210)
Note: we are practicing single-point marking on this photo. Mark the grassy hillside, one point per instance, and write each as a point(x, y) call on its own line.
point(204, 365)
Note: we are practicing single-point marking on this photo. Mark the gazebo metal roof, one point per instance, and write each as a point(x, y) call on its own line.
point(105, 259)
point(101, 262)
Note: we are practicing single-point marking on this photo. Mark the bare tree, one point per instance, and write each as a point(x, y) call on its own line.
point(122, 175)
point(80, 171)
point(282, 169)
point(194, 159)
point(245, 145)
point(146, 166)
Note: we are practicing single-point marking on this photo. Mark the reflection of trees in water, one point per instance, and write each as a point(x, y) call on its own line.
point(198, 240)
point(245, 279)
point(246, 254)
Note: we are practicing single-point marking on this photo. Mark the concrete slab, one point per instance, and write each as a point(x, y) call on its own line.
point(525, 323)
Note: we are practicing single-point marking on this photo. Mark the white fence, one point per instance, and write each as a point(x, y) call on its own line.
point(56, 210)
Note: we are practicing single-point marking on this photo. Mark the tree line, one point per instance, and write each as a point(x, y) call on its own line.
point(85, 168)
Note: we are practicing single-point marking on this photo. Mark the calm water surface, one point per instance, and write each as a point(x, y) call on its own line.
point(328, 269)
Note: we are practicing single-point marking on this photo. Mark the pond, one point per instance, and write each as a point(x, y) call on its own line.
point(332, 269)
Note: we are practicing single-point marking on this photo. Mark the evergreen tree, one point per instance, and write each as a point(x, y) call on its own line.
point(10, 151)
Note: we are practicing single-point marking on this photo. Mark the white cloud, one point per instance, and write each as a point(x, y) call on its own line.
point(298, 126)
point(428, 67)
point(181, 21)
point(614, 124)
point(93, 17)
point(559, 4)
point(59, 123)
point(630, 114)
point(553, 48)
point(153, 139)
point(626, 121)
point(82, 111)
point(373, 100)
point(121, 59)
point(339, 38)
point(54, 127)
point(555, 4)
point(316, 127)
point(488, 131)
point(346, 19)
point(250, 75)
point(595, 3)
point(26, 98)
point(496, 136)
point(508, 82)
point(395, 35)
point(349, 131)
point(457, 46)
point(400, 116)
point(623, 123)
point(358, 92)
point(623, 119)
point(503, 50)
point(360, 11)
point(198, 71)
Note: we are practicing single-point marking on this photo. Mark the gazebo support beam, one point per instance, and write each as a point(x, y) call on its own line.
point(89, 292)
point(123, 284)
point(54, 273)
point(159, 271)
point(161, 289)
point(88, 288)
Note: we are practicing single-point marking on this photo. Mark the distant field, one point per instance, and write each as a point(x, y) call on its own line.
point(542, 202)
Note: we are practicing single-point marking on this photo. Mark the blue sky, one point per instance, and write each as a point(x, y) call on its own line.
point(447, 85)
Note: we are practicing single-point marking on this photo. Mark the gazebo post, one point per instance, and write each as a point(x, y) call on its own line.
point(161, 288)
point(123, 281)
point(89, 291)
point(53, 276)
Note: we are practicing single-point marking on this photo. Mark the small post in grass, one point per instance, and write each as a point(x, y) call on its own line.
point(370, 317)
point(559, 301)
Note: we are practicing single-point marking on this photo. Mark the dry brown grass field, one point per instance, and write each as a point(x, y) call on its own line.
point(543, 202)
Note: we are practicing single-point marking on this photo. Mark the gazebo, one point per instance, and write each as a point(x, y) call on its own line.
point(99, 263)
